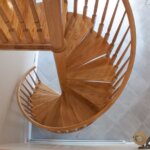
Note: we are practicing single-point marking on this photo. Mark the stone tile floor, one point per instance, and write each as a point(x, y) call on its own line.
point(132, 111)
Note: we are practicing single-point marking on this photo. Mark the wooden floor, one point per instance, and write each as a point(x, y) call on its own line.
point(131, 111)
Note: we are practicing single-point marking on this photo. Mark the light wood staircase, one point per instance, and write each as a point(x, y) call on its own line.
point(94, 60)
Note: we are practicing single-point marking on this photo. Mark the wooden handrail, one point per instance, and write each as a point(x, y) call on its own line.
point(27, 107)
point(132, 52)
point(55, 23)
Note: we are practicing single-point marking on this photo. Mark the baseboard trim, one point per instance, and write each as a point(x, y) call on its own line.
point(79, 142)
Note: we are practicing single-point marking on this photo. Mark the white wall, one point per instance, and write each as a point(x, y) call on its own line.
point(12, 66)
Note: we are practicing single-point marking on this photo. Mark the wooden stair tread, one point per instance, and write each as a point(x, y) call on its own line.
point(73, 107)
point(68, 115)
point(43, 94)
point(42, 112)
point(45, 90)
point(90, 48)
point(68, 22)
point(39, 106)
point(103, 73)
point(53, 117)
point(76, 31)
point(42, 99)
point(97, 62)
point(93, 93)
point(41, 117)
point(83, 108)
point(102, 87)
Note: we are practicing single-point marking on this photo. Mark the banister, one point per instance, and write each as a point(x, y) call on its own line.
point(28, 91)
point(95, 11)
point(119, 46)
point(118, 84)
point(12, 31)
point(3, 37)
point(75, 7)
point(54, 21)
point(100, 29)
point(37, 76)
point(118, 81)
point(29, 84)
point(27, 102)
point(29, 109)
point(32, 79)
point(36, 20)
point(85, 8)
point(122, 67)
point(21, 20)
point(111, 21)
point(26, 95)
point(122, 56)
point(111, 46)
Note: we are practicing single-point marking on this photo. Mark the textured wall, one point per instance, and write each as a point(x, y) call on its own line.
point(131, 112)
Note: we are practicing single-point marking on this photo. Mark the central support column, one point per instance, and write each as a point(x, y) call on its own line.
point(60, 59)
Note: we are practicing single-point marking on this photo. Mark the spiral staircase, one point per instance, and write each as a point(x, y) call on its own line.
point(93, 60)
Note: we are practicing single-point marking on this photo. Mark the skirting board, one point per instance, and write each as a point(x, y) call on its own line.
point(79, 142)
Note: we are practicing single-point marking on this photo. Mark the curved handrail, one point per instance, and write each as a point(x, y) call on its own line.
point(133, 48)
